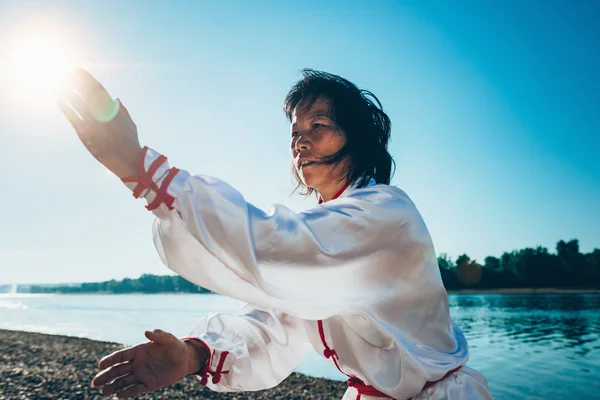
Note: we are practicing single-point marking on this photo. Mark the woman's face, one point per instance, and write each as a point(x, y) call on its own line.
point(315, 136)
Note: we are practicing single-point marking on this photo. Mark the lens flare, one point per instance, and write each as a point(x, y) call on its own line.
point(37, 66)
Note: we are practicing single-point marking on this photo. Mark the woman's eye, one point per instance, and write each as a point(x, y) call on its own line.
point(317, 125)
point(295, 133)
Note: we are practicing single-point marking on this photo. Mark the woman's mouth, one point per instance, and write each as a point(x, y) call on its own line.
point(305, 164)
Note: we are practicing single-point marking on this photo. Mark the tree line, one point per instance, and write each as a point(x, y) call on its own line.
point(535, 267)
point(567, 268)
point(147, 283)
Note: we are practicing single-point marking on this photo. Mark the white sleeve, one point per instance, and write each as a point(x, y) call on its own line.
point(333, 259)
point(252, 350)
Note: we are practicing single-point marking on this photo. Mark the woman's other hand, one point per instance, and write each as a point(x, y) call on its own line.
point(149, 366)
point(102, 124)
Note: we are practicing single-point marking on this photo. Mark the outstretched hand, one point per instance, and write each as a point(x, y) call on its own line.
point(103, 125)
point(147, 367)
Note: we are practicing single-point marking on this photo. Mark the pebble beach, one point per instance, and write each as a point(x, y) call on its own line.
point(52, 367)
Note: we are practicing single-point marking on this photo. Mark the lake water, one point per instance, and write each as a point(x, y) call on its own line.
point(528, 346)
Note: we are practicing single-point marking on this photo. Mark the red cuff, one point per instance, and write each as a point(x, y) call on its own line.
point(204, 373)
point(144, 181)
point(161, 194)
point(144, 178)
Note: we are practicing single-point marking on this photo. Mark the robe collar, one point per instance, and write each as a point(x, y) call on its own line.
point(347, 189)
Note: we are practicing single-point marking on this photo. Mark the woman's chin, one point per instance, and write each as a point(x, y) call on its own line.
point(313, 177)
point(308, 180)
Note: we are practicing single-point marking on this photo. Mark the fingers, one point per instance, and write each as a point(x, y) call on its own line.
point(71, 115)
point(131, 391)
point(119, 384)
point(117, 357)
point(97, 98)
point(160, 337)
point(90, 96)
point(77, 103)
point(108, 375)
point(88, 86)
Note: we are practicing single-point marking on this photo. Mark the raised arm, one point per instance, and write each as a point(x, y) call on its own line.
point(314, 264)
point(334, 259)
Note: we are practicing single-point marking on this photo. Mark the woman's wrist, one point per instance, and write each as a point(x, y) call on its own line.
point(197, 356)
point(126, 165)
point(121, 168)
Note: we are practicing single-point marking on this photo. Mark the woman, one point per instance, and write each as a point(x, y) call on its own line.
point(356, 277)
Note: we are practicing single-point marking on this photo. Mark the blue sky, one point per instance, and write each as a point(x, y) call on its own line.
point(494, 106)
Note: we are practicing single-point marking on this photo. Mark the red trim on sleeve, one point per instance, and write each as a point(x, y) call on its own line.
point(217, 374)
point(161, 194)
point(204, 373)
point(144, 178)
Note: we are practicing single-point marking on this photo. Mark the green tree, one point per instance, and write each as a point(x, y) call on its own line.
point(573, 263)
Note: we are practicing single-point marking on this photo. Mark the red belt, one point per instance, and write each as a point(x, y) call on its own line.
point(359, 385)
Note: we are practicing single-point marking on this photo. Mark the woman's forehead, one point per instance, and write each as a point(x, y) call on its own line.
point(309, 107)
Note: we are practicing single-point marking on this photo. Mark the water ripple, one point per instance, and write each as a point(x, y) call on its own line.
point(522, 343)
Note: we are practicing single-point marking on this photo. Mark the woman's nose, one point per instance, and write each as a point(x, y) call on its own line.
point(302, 143)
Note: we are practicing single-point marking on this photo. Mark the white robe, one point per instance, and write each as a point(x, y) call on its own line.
point(363, 263)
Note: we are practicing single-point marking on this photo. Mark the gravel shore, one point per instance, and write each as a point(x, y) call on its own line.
point(50, 367)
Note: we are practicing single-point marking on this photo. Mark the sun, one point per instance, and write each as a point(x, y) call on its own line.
point(35, 66)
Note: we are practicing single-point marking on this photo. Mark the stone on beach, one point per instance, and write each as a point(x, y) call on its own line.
point(49, 367)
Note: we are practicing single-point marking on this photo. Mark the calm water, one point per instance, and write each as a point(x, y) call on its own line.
point(528, 346)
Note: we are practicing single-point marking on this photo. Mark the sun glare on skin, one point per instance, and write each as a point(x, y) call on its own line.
point(36, 66)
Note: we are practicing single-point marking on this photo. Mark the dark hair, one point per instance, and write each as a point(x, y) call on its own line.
point(359, 114)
